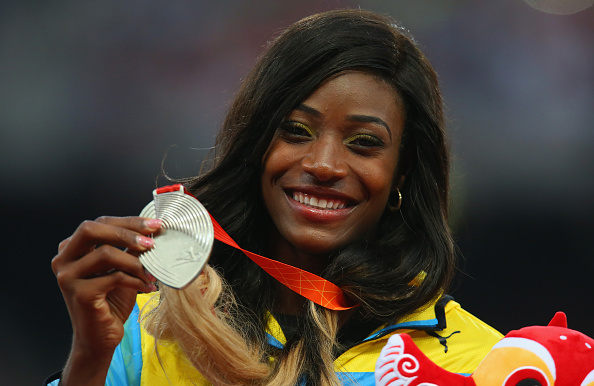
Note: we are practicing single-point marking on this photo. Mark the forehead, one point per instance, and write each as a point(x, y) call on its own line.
point(359, 93)
point(366, 85)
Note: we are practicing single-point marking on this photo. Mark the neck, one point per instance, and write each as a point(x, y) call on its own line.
point(281, 250)
point(287, 301)
point(288, 254)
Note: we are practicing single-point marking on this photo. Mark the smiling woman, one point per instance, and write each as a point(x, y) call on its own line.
point(332, 159)
point(337, 148)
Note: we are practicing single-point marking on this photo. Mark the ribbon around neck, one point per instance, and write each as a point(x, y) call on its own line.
point(306, 284)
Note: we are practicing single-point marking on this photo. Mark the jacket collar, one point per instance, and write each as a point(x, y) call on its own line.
point(429, 318)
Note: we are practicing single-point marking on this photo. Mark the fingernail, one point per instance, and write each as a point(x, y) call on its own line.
point(144, 241)
point(150, 276)
point(151, 287)
point(153, 223)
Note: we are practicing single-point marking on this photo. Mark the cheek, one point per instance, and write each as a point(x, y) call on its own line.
point(379, 182)
point(275, 164)
point(275, 161)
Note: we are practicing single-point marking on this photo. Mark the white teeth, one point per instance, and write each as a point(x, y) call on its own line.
point(320, 203)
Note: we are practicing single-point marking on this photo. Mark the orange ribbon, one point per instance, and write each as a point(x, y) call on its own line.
point(306, 284)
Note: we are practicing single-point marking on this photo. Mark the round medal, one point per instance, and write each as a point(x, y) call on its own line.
point(184, 242)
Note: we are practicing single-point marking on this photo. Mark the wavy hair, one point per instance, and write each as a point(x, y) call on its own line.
point(374, 272)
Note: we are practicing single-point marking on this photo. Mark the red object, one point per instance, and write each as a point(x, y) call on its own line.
point(306, 284)
point(550, 355)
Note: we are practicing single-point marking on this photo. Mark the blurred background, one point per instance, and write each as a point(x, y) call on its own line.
point(93, 95)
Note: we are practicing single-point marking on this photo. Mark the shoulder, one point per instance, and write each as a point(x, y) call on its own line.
point(461, 344)
point(474, 328)
point(447, 334)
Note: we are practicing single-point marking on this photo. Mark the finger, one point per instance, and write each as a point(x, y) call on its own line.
point(63, 244)
point(60, 258)
point(112, 232)
point(98, 287)
point(142, 225)
point(119, 279)
point(106, 259)
point(103, 261)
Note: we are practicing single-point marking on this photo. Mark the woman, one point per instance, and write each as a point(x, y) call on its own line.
point(332, 159)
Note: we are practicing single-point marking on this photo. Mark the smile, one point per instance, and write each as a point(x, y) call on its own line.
point(318, 202)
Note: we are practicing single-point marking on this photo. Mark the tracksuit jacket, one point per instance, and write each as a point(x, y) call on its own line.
point(450, 336)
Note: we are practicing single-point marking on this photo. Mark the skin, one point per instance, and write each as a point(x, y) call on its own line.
point(99, 285)
point(340, 145)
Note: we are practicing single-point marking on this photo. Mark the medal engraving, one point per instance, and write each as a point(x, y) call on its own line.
point(184, 242)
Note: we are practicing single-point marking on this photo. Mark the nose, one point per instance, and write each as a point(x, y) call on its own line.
point(325, 160)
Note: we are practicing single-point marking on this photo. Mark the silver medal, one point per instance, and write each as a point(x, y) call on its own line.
point(184, 242)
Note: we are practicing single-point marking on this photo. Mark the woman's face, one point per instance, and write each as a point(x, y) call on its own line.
point(331, 168)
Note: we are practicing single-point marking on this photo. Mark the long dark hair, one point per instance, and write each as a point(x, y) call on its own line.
point(374, 272)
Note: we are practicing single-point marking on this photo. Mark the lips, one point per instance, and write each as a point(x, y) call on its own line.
point(319, 202)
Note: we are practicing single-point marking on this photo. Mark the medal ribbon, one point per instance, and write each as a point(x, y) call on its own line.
point(306, 284)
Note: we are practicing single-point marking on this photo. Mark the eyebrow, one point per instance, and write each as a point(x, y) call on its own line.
point(370, 119)
point(309, 110)
point(351, 118)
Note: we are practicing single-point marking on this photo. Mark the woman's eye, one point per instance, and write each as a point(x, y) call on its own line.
point(295, 131)
point(365, 141)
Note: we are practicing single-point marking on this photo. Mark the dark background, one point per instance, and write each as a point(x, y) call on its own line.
point(94, 94)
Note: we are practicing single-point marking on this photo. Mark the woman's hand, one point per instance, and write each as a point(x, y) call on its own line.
point(99, 282)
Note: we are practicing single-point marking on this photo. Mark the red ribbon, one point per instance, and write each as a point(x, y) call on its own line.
point(306, 284)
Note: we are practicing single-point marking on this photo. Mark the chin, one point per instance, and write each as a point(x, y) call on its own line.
point(319, 244)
